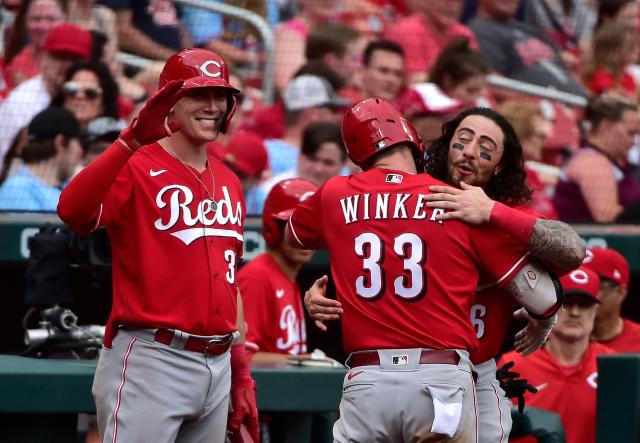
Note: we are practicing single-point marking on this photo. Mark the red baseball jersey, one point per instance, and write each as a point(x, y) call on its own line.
point(272, 308)
point(629, 339)
point(405, 280)
point(569, 391)
point(174, 252)
point(492, 311)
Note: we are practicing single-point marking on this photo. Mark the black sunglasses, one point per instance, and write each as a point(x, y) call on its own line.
point(71, 89)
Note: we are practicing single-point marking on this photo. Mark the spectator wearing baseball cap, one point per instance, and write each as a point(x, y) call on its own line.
point(307, 99)
point(99, 134)
point(564, 372)
point(65, 43)
point(51, 155)
point(611, 329)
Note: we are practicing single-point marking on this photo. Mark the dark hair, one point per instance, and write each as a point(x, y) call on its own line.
point(509, 185)
point(322, 132)
point(381, 45)
point(110, 90)
point(608, 9)
point(321, 69)
point(18, 38)
point(605, 107)
point(329, 38)
point(41, 150)
point(458, 62)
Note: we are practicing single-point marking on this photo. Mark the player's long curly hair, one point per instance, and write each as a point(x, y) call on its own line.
point(509, 185)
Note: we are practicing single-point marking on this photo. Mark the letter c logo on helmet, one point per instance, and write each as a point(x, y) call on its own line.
point(205, 69)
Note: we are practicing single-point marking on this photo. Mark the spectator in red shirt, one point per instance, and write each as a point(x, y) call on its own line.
point(614, 49)
point(34, 21)
point(565, 371)
point(425, 33)
point(611, 329)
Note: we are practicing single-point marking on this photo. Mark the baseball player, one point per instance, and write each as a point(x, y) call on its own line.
point(565, 370)
point(406, 281)
point(620, 334)
point(273, 307)
point(174, 214)
point(554, 242)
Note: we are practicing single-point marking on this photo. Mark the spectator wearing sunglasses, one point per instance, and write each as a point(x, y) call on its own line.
point(65, 44)
point(89, 91)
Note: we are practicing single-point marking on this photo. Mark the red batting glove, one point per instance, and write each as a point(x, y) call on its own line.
point(243, 397)
point(151, 123)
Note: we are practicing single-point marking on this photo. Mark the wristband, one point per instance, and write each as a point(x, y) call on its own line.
point(514, 223)
point(239, 363)
point(558, 304)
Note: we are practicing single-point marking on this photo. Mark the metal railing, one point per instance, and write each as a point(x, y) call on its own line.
point(537, 91)
point(254, 19)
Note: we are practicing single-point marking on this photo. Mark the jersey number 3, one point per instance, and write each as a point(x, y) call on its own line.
point(410, 285)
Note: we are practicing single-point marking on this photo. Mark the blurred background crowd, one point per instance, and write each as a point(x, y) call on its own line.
point(73, 73)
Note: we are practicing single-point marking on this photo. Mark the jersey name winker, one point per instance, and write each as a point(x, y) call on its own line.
point(362, 207)
point(179, 197)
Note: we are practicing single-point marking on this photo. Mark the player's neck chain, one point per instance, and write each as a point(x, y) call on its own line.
point(214, 204)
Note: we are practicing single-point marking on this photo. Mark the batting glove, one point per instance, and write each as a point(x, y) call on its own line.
point(535, 334)
point(512, 385)
point(151, 124)
point(243, 397)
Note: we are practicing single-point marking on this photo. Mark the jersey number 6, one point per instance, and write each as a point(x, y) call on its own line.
point(411, 285)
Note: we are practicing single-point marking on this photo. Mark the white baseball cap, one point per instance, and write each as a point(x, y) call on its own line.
point(308, 91)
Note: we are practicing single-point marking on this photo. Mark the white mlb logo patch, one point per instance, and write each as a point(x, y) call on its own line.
point(400, 360)
point(394, 178)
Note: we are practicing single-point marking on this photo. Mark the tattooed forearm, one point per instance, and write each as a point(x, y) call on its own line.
point(557, 243)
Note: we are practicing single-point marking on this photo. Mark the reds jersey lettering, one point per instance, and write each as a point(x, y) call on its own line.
point(273, 308)
point(290, 326)
point(208, 213)
point(359, 207)
point(175, 231)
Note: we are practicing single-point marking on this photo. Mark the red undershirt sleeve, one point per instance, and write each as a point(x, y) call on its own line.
point(81, 200)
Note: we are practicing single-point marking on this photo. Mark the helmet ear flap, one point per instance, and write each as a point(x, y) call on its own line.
point(232, 104)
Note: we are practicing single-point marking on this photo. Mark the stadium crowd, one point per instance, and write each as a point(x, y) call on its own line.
point(65, 95)
point(431, 58)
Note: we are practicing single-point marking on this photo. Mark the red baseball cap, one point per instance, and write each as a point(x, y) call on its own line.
point(608, 264)
point(427, 100)
point(582, 281)
point(67, 38)
point(245, 153)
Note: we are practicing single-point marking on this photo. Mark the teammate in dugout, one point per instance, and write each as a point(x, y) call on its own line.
point(467, 160)
point(174, 351)
point(273, 307)
point(406, 320)
point(565, 371)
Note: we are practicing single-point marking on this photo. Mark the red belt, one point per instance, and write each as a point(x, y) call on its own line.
point(427, 356)
point(214, 347)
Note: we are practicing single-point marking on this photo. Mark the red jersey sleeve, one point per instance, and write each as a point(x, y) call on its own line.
point(257, 312)
point(497, 254)
point(305, 225)
point(119, 193)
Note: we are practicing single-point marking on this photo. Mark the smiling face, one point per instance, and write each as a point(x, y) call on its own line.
point(83, 96)
point(383, 76)
point(200, 113)
point(475, 151)
point(327, 162)
point(41, 16)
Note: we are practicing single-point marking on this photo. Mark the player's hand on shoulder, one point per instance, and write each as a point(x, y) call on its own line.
point(469, 203)
point(152, 123)
point(534, 335)
point(319, 306)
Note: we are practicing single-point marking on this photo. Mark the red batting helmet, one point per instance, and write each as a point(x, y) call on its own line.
point(280, 203)
point(373, 125)
point(200, 68)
